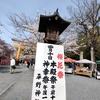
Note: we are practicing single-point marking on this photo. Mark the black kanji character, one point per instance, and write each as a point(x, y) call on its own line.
point(44, 97)
point(52, 86)
point(44, 92)
point(49, 57)
point(44, 86)
point(53, 71)
point(46, 63)
point(52, 97)
point(50, 53)
point(38, 84)
point(50, 48)
point(45, 71)
point(45, 79)
point(38, 76)
point(53, 79)
point(38, 92)
point(53, 64)
point(52, 92)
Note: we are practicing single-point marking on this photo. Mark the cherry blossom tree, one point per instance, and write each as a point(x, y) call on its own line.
point(69, 37)
point(5, 49)
point(26, 30)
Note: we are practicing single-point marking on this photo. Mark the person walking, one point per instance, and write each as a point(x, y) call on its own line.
point(32, 63)
point(12, 65)
point(27, 63)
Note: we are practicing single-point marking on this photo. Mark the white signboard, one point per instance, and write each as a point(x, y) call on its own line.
point(49, 74)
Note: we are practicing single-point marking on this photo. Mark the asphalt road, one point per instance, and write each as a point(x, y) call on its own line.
point(82, 88)
point(18, 86)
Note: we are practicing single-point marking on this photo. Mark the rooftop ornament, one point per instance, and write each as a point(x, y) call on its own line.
point(53, 26)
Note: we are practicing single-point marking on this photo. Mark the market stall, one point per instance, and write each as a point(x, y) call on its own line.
point(98, 69)
point(69, 65)
point(84, 70)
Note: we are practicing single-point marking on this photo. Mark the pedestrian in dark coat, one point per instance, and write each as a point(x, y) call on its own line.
point(32, 63)
point(27, 63)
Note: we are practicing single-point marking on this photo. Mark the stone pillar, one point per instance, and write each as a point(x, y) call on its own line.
point(92, 66)
point(81, 57)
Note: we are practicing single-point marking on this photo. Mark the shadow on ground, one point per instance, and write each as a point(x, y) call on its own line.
point(16, 72)
point(4, 69)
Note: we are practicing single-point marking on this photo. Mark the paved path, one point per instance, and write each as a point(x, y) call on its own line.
point(18, 86)
point(21, 89)
point(7, 80)
point(82, 88)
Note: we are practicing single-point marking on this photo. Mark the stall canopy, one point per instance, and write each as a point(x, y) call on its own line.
point(85, 61)
point(98, 61)
point(69, 60)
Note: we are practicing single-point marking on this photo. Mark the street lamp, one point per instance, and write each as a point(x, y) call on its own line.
point(53, 26)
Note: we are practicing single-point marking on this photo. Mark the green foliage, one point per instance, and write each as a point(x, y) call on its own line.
point(71, 54)
point(82, 41)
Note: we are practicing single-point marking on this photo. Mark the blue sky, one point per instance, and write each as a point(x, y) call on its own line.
point(29, 7)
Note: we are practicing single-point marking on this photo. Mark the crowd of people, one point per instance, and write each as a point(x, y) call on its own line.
point(28, 64)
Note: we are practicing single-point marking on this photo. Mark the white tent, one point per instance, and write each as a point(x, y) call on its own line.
point(83, 61)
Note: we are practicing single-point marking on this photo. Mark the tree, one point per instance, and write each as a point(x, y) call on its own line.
point(69, 38)
point(26, 30)
point(86, 15)
point(5, 49)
